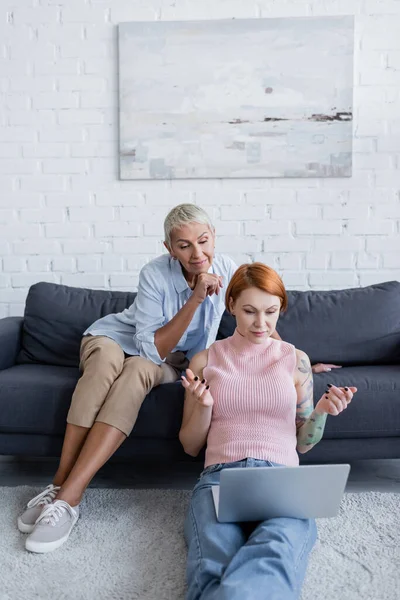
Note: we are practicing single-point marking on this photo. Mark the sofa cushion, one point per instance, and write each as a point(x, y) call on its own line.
point(56, 317)
point(35, 399)
point(359, 326)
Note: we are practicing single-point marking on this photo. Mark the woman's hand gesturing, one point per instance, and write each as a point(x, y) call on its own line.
point(199, 390)
point(335, 400)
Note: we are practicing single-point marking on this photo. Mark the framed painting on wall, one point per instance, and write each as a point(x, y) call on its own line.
point(236, 98)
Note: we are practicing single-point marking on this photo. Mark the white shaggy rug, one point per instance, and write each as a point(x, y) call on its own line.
point(129, 545)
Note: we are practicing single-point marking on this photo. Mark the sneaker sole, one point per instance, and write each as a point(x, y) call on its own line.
point(24, 528)
point(43, 547)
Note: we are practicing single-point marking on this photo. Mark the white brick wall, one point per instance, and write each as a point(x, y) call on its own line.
point(65, 216)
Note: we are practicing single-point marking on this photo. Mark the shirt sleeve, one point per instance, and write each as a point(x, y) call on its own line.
point(149, 314)
point(231, 268)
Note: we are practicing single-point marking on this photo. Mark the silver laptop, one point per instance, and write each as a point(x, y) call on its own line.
point(259, 493)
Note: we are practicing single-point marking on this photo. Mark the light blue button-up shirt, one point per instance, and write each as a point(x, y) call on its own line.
point(162, 292)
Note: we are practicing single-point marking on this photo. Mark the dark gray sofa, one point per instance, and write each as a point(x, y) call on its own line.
point(358, 328)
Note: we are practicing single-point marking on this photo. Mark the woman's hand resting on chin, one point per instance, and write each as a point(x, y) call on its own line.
point(198, 389)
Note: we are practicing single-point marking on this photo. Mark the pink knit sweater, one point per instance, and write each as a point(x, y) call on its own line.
point(254, 412)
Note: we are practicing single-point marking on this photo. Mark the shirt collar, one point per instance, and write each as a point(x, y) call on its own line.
point(178, 278)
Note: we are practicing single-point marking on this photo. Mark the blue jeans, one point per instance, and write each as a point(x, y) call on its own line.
point(247, 561)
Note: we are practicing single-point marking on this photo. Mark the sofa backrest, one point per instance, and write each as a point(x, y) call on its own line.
point(56, 316)
point(347, 327)
point(359, 326)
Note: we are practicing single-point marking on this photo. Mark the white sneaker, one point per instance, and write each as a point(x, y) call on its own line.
point(26, 522)
point(53, 527)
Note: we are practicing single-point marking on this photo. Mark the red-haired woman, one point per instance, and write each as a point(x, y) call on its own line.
point(250, 398)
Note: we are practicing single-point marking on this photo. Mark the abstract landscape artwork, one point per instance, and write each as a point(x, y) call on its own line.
point(236, 98)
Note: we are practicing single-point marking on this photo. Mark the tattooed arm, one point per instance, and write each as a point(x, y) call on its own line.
point(310, 421)
point(310, 424)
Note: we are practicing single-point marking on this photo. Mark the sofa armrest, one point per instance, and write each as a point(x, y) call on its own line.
point(10, 340)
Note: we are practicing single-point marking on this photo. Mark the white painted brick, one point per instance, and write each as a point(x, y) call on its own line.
point(82, 83)
point(67, 230)
point(68, 199)
point(295, 211)
point(372, 161)
point(117, 229)
point(94, 150)
point(286, 244)
point(381, 33)
point(36, 246)
point(339, 244)
point(367, 261)
point(48, 215)
point(38, 263)
point(391, 261)
point(387, 211)
point(346, 211)
point(318, 227)
point(267, 227)
point(167, 198)
point(35, 16)
point(343, 260)
point(85, 280)
point(154, 228)
point(7, 215)
point(379, 277)
point(90, 246)
point(373, 196)
point(23, 280)
point(57, 67)
point(333, 279)
point(83, 49)
point(370, 227)
point(56, 100)
point(132, 199)
point(375, 245)
point(135, 263)
point(4, 311)
point(389, 144)
point(290, 261)
point(227, 227)
point(320, 196)
point(137, 246)
point(72, 116)
point(317, 261)
point(36, 84)
point(112, 263)
point(228, 244)
point(124, 281)
point(17, 231)
point(218, 198)
point(374, 7)
point(388, 179)
point(248, 213)
point(18, 165)
point(45, 150)
point(63, 264)
point(93, 214)
point(62, 134)
point(17, 134)
point(43, 183)
point(394, 59)
point(87, 264)
point(18, 199)
point(293, 280)
point(121, 12)
point(5, 281)
point(86, 14)
point(10, 295)
point(17, 101)
point(14, 264)
point(64, 166)
point(7, 184)
point(267, 197)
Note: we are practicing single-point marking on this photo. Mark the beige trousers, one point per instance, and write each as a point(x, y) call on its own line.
point(112, 386)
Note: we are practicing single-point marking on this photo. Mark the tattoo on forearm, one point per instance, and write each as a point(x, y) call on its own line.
point(311, 428)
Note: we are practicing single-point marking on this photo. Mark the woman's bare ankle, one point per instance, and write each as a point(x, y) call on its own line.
point(72, 499)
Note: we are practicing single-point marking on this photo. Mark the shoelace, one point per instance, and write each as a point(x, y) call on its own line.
point(45, 497)
point(52, 513)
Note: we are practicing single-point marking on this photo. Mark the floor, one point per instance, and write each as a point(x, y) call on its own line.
point(368, 475)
